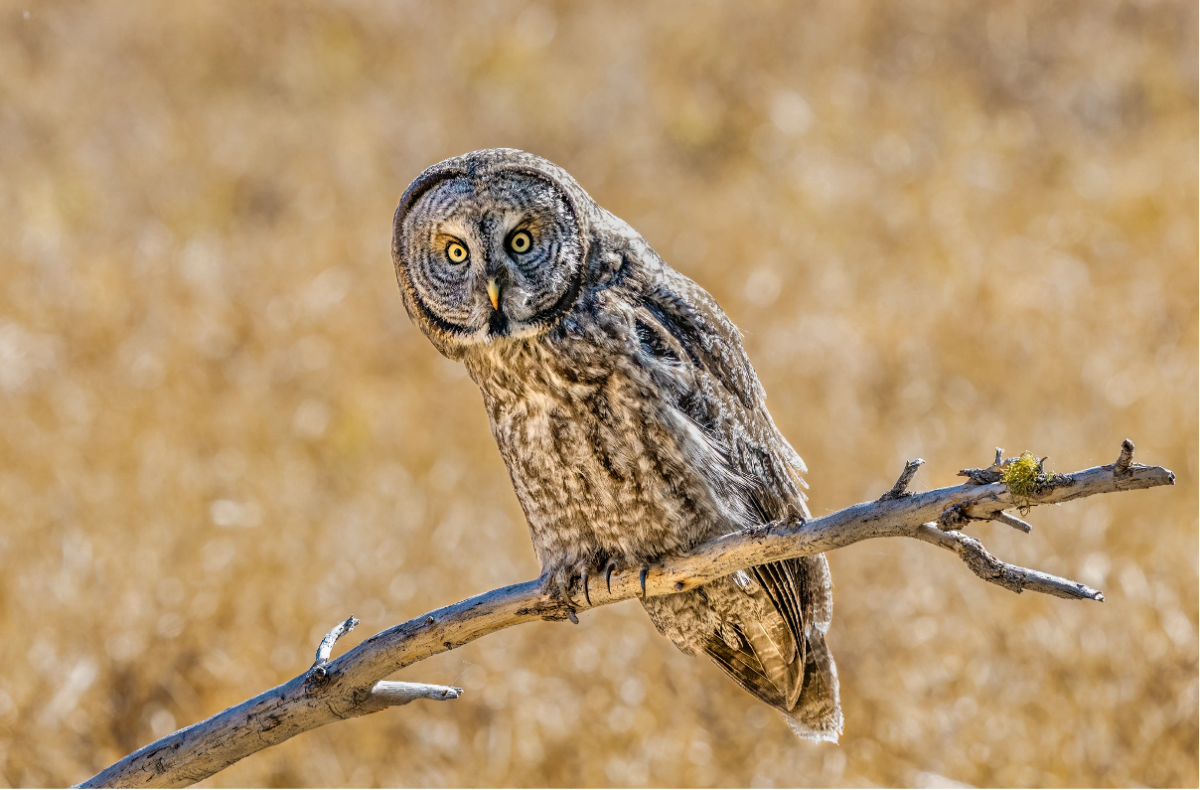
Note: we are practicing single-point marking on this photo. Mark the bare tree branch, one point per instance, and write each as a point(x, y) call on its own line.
point(1010, 577)
point(353, 685)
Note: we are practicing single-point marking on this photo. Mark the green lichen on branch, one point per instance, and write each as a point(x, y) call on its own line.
point(1026, 477)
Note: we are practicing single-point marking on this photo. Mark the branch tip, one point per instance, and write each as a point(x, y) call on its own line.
point(391, 694)
point(326, 646)
point(900, 489)
point(1121, 467)
point(1010, 520)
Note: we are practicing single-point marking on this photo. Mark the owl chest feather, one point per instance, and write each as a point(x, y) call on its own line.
point(602, 467)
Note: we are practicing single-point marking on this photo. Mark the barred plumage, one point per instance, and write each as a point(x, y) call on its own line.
point(625, 408)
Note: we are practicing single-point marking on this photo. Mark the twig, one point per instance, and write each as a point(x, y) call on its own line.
point(392, 694)
point(1004, 517)
point(353, 684)
point(1124, 460)
point(1010, 577)
point(900, 490)
point(326, 646)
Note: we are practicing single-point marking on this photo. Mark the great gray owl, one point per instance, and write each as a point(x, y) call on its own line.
point(625, 409)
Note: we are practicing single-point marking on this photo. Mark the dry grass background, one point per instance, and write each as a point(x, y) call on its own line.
point(942, 226)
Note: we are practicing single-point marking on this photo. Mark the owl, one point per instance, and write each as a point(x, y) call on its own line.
point(626, 411)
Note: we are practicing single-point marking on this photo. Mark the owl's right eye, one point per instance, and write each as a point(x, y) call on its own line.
point(456, 252)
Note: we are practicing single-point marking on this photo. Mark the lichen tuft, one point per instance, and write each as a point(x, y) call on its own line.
point(1023, 477)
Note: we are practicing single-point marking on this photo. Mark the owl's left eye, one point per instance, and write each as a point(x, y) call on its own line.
point(520, 242)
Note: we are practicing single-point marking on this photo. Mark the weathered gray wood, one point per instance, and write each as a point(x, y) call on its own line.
point(353, 684)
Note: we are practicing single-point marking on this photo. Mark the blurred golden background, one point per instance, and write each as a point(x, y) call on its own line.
point(942, 227)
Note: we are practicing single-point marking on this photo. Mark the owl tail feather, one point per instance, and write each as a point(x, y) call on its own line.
point(766, 630)
point(817, 715)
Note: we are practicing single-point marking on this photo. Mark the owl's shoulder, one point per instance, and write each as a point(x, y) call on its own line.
point(678, 329)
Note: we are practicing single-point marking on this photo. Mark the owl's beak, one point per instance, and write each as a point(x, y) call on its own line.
point(493, 289)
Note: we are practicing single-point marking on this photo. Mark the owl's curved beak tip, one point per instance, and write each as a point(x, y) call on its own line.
point(493, 292)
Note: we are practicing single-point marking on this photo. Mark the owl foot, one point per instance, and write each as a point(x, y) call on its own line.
point(642, 578)
point(564, 583)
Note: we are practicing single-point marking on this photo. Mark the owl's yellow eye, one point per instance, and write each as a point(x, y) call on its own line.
point(456, 252)
point(520, 242)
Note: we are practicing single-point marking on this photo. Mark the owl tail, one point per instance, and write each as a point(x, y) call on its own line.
point(817, 714)
point(765, 628)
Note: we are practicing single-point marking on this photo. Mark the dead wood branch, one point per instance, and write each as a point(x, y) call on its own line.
point(353, 685)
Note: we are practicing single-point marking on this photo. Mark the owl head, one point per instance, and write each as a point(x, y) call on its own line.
point(490, 246)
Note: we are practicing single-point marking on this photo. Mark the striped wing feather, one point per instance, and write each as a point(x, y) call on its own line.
point(780, 656)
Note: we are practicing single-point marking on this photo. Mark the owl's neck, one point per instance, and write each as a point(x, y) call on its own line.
point(549, 365)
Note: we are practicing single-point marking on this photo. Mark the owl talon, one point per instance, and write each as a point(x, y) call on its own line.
point(642, 578)
point(583, 581)
point(608, 572)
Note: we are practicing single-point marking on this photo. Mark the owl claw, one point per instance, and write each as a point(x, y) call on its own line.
point(608, 572)
point(583, 581)
point(642, 578)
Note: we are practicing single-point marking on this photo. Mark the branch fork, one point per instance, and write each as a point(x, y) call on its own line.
point(385, 693)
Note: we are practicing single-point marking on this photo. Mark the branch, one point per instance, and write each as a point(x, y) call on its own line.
point(353, 685)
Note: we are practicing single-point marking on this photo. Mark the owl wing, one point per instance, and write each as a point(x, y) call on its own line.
point(774, 644)
point(717, 389)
